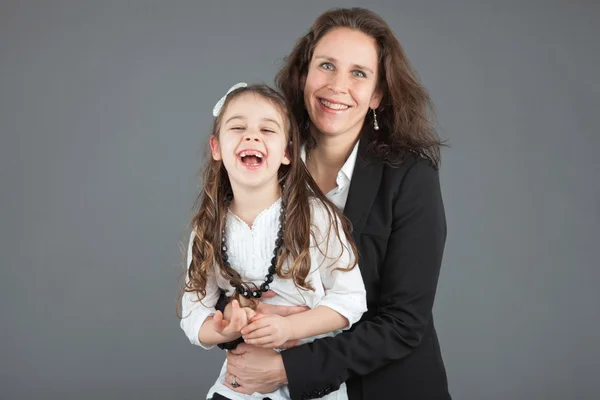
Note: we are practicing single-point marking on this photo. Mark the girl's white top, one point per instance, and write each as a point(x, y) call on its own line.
point(250, 250)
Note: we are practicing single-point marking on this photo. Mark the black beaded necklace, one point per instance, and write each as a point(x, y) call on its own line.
point(243, 288)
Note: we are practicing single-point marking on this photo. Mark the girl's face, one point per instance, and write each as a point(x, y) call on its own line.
point(341, 82)
point(252, 141)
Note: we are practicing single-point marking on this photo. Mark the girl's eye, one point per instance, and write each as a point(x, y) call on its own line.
point(237, 128)
point(327, 65)
point(359, 74)
point(266, 130)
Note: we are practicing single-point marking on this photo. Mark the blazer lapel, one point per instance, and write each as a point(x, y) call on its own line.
point(363, 188)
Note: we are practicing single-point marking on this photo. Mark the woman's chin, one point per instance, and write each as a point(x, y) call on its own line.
point(328, 128)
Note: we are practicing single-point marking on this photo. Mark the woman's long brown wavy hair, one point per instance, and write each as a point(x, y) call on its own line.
point(405, 110)
point(298, 188)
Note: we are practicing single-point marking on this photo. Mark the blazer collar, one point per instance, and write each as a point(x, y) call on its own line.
point(363, 188)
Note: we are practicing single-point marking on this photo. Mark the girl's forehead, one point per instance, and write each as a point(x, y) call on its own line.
point(253, 105)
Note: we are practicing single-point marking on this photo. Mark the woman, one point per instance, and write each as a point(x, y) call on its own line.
point(369, 146)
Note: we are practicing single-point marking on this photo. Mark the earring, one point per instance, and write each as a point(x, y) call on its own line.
point(375, 124)
point(307, 124)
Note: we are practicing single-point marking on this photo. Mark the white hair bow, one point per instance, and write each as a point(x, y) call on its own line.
point(219, 105)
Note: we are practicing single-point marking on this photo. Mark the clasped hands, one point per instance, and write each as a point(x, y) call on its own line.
point(266, 327)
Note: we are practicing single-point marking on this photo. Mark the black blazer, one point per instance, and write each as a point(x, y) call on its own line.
point(399, 226)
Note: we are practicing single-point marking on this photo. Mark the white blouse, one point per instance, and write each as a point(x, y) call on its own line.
point(250, 250)
point(339, 194)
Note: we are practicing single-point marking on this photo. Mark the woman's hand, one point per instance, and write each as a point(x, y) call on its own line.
point(255, 369)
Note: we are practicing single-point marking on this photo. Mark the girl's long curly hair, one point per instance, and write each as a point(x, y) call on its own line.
point(298, 188)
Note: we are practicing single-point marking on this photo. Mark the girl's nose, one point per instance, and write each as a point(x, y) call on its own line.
point(251, 136)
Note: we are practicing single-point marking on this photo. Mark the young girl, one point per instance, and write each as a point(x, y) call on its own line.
point(263, 224)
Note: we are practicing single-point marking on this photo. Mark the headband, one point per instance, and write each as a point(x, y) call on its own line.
point(219, 105)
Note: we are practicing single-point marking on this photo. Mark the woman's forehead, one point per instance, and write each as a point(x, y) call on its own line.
point(348, 46)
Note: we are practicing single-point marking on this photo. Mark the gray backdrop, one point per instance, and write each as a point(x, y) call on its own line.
point(104, 111)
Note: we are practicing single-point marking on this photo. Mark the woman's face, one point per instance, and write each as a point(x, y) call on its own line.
point(340, 85)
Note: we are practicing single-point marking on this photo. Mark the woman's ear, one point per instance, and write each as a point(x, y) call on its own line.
point(376, 99)
point(215, 149)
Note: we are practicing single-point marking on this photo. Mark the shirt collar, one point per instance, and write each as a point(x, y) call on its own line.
point(348, 167)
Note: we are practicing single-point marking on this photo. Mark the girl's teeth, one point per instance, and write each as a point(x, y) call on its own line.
point(250, 153)
point(334, 106)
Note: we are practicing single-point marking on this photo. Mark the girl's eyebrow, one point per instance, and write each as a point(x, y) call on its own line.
point(272, 120)
point(235, 117)
point(333, 60)
point(262, 119)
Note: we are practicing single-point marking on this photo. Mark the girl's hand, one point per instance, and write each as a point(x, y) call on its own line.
point(270, 331)
point(240, 317)
point(262, 308)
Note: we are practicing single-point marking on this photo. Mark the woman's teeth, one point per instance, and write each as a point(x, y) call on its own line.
point(333, 106)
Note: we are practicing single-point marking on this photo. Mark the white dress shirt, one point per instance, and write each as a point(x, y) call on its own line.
point(250, 251)
point(339, 194)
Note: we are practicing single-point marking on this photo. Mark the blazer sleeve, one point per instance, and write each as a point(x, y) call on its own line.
point(409, 276)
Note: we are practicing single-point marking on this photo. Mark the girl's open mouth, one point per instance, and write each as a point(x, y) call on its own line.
point(251, 158)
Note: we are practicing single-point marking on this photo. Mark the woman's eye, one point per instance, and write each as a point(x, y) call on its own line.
point(359, 74)
point(328, 66)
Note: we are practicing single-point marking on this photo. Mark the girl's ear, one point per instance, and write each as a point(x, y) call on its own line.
point(287, 159)
point(215, 149)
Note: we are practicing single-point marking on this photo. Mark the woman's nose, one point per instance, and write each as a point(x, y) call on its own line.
point(338, 83)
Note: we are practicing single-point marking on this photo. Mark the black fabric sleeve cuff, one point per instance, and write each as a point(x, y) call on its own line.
point(221, 304)
point(299, 376)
